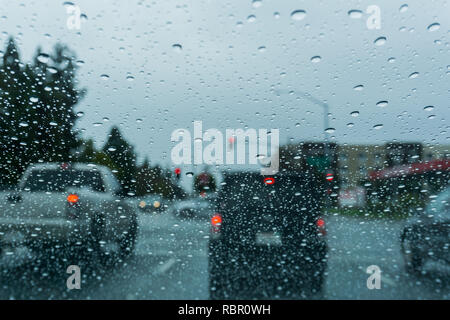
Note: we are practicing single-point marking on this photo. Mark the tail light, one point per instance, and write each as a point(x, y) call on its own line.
point(72, 198)
point(72, 209)
point(216, 223)
point(320, 223)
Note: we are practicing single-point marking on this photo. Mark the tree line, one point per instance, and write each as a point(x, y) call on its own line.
point(38, 124)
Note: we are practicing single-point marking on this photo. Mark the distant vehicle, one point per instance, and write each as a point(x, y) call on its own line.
point(152, 204)
point(194, 208)
point(74, 205)
point(267, 234)
point(426, 238)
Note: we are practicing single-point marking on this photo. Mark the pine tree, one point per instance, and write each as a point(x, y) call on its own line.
point(36, 110)
point(123, 156)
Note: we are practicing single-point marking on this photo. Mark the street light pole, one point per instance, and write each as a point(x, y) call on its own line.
point(326, 125)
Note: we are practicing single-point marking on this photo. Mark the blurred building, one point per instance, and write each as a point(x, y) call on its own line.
point(356, 161)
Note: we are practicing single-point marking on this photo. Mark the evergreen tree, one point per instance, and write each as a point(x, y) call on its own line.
point(124, 158)
point(36, 110)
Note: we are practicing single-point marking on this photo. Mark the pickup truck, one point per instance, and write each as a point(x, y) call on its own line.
point(74, 206)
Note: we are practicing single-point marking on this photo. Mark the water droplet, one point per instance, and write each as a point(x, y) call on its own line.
point(382, 103)
point(403, 8)
point(80, 114)
point(276, 15)
point(130, 77)
point(189, 174)
point(378, 126)
point(177, 47)
point(139, 120)
point(104, 77)
point(34, 99)
point(428, 108)
point(262, 49)
point(330, 130)
point(350, 124)
point(52, 70)
point(256, 3)
point(54, 124)
point(316, 59)
point(434, 27)
point(431, 117)
point(298, 15)
point(251, 18)
point(23, 124)
point(355, 14)
point(80, 63)
point(43, 58)
point(112, 149)
point(380, 41)
point(359, 87)
point(391, 60)
point(413, 75)
point(354, 114)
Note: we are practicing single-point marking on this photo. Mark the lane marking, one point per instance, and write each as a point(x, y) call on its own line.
point(165, 266)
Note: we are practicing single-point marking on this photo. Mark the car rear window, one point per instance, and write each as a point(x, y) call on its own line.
point(60, 180)
point(281, 190)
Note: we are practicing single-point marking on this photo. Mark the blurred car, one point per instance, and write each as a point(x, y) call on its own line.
point(267, 237)
point(152, 204)
point(426, 238)
point(194, 208)
point(72, 205)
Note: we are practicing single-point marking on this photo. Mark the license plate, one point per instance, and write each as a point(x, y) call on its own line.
point(268, 239)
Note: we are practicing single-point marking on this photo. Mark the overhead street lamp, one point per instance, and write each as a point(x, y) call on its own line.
point(326, 125)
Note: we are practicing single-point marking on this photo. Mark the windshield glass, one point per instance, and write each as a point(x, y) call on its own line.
point(237, 149)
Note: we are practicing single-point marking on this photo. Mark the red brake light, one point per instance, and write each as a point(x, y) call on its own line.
point(72, 198)
point(321, 226)
point(320, 223)
point(216, 220)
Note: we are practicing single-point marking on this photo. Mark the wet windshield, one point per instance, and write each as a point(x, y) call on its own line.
point(238, 149)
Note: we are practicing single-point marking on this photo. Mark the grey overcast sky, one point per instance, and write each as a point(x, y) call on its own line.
point(236, 54)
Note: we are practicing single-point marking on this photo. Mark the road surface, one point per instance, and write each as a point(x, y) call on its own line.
point(170, 262)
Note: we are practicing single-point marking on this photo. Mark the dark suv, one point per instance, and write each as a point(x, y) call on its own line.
point(267, 238)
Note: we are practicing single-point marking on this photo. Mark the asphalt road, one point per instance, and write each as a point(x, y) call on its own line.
point(170, 262)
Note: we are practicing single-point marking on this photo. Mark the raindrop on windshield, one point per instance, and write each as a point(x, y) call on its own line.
point(43, 58)
point(380, 41)
point(298, 15)
point(355, 14)
point(434, 27)
point(177, 47)
point(256, 3)
point(382, 103)
point(403, 8)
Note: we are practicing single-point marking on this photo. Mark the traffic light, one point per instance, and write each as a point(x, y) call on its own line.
point(177, 173)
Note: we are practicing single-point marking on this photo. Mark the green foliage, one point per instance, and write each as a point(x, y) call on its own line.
point(155, 180)
point(123, 157)
point(36, 110)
